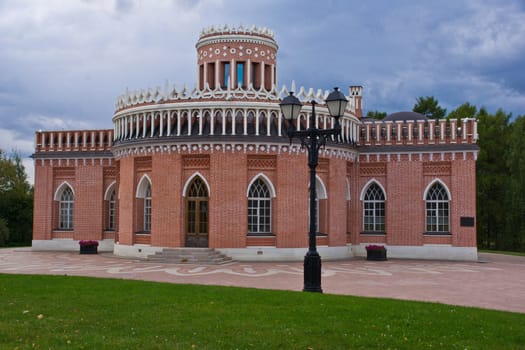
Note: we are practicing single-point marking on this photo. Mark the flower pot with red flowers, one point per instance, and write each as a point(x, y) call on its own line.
point(375, 252)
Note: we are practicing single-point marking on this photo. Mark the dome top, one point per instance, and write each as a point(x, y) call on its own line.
point(404, 116)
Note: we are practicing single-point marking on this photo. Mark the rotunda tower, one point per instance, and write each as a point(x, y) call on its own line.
point(237, 57)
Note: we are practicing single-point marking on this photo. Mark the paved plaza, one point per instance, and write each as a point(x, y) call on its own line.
point(495, 282)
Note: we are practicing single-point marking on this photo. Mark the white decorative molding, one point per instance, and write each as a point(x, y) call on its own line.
point(369, 182)
point(163, 95)
point(122, 151)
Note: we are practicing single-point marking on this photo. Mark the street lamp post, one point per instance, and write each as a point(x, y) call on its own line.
point(313, 139)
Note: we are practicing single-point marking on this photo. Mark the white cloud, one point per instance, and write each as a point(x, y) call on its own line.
point(11, 140)
point(487, 31)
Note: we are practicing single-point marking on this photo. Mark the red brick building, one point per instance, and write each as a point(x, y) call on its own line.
point(213, 167)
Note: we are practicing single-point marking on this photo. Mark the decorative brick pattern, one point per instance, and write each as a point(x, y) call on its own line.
point(437, 168)
point(262, 162)
point(372, 169)
point(196, 161)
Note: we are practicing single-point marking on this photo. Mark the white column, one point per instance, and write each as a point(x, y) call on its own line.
point(178, 123)
point(212, 121)
point(257, 114)
point(144, 118)
point(152, 124)
point(200, 121)
point(442, 129)
point(399, 129)
point(234, 120)
point(410, 129)
point(420, 130)
point(245, 122)
point(223, 122)
point(233, 75)
point(268, 122)
point(161, 123)
point(262, 75)
point(279, 124)
point(248, 70)
point(190, 119)
point(431, 124)
point(169, 123)
point(217, 76)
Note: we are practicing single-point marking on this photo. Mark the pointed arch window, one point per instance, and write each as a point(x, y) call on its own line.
point(374, 209)
point(259, 208)
point(66, 209)
point(112, 206)
point(197, 199)
point(437, 209)
point(147, 209)
point(143, 207)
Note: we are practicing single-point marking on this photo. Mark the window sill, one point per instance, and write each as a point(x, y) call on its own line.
point(63, 230)
point(143, 233)
point(445, 234)
point(260, 234)
point(373, 233)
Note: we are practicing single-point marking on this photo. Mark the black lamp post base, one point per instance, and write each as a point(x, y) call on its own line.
point(312, 272)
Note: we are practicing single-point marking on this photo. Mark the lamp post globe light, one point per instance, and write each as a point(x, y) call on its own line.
point(313, 139)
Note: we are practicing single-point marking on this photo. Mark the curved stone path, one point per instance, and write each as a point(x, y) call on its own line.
point(496, 282)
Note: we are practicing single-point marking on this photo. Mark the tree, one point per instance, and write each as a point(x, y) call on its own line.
point(376, 115)
point(16, 199)
point(492, 174)
point(4, 232)
point(466, 110)
point(429, 107)
point(515, 195)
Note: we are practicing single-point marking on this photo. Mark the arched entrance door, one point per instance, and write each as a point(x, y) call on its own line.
point(197, 214)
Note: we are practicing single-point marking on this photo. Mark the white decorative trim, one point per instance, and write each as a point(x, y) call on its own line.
point(438, 180)
point(365, 188)
point(66, 244)
point(283, 254)
point(61, 188)
point(348, 197)
point(110, 188)
point(122, 151)
point(142, 186)
point(190, 179)
point(266, 180)
point(426, 252)
point(320, 188)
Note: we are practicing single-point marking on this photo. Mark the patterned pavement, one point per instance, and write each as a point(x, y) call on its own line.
point(496, 282)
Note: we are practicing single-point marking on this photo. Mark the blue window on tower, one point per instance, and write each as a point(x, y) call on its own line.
point(226, 74)
point(240, 74)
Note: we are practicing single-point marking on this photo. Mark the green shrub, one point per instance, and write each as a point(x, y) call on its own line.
point(4, 232)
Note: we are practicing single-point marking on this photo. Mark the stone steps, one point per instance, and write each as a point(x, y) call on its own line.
point(203, 256)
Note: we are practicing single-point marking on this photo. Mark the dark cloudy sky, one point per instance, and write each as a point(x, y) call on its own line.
point(63, 62)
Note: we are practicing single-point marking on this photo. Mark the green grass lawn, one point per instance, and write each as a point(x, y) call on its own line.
point(55, 312)
point(504, 252)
